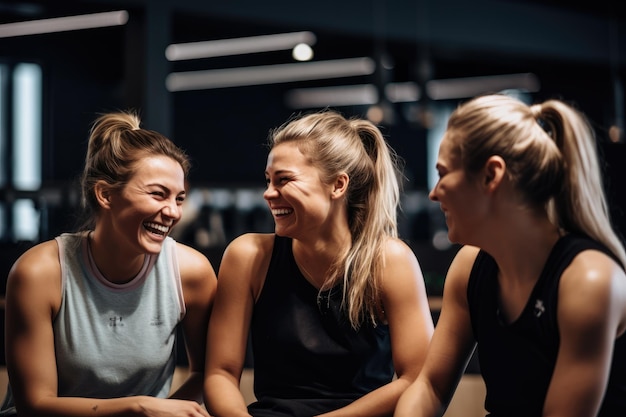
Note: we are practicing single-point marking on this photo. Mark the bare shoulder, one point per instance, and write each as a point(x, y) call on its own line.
point(37, 272)
point(591, 284)
point(593, 270)
point(459, 271)
point(402, 277)
point(191, 260)
point(37, 263)
point(251, 244)
point(396, 248)
point(245, 262)
point(463, 261)
point(465, 257)
point(197, 274)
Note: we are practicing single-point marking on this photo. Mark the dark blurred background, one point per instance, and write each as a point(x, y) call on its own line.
point(403, 63)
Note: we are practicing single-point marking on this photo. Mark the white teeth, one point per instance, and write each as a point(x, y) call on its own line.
point(278, 212)
point(156, 226)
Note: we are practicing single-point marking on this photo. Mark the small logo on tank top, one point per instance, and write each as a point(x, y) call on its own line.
point(156, 321)
point(116, 321)
point(539, 308)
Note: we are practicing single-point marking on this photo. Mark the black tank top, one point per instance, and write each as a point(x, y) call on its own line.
point(307, 358)
point(517, 360)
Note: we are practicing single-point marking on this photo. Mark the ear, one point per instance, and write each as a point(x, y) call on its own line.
point(102, 191)
point(494, 172)
point(340, 186)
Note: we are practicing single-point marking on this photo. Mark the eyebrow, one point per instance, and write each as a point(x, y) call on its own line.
point(163, 187)
point(281, 172)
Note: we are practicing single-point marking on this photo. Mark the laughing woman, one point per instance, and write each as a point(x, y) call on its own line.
point(335, 302)
point(92, 317)
point(539, 287)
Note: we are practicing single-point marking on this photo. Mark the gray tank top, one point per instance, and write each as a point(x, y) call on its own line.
point(115, 340)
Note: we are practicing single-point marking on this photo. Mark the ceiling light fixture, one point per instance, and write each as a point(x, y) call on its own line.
point(302, 52)
point(350, 95)
point(269, 74)
point(238, 46)
point(345, 95)
point(457, 88)
point(63, 24)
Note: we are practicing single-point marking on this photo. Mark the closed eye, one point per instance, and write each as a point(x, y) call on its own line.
point(277, 181)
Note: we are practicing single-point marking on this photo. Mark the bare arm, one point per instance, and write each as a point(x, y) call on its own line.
point(451, 347)
point(199, 286)
point(591, 314)
point(411, 328)
point(242, 270)
point(33, 299)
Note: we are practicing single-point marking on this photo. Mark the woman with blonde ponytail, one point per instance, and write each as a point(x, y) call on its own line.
point(92, 317)
point(539, 288)
point(334, 300)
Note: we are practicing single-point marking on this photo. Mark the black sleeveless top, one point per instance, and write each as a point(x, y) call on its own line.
point(517, 360)
point(307, 358)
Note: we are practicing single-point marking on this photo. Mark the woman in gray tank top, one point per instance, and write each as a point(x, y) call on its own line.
point(92, 316)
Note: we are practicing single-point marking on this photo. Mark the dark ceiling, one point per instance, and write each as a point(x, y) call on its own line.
point(576, 50)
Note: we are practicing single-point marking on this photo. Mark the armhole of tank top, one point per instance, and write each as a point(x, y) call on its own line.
point(171, 248)
point(472, 287)
point(270, 263)
point(471, 280)
point(63, 266)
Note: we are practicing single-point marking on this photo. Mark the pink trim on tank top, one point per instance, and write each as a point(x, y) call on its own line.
point(135, 282)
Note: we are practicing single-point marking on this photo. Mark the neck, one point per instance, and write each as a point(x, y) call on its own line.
point(115, 264)
point(316, 259)
point(521, 253)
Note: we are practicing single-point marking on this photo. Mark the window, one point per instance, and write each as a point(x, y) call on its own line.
point(20, 149)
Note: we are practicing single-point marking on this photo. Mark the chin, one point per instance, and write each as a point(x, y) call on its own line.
point(283, 231)
point(454, 238)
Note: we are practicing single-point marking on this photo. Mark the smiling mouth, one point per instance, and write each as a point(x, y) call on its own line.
point(156, 228)
point(281, 212)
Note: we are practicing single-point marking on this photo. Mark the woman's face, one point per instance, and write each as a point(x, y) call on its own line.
point(299, 201)
point(146, 209)
point(458, 194)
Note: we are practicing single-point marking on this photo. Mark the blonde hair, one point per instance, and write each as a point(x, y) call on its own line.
point(551, 156)
point(335, 144)
point(116, 143)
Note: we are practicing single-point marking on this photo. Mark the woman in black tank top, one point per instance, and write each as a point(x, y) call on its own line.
point(335, 302)
point(539, 288)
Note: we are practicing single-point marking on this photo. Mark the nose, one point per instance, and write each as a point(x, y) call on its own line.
point(432, 194)
point(172, 209)
point(270, 192)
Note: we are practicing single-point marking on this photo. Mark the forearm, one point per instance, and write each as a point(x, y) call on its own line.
point(141, 406)
point(190, 389)
point(418, 400)
point(84, 407)
point(380, 402)
point(223, 398)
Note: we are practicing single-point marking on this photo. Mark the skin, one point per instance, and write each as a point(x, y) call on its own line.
point(592, 292)
point(119, 243)
point(314, 215)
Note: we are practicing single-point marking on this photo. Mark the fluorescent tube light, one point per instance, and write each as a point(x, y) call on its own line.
point(345, 95)
point(238, 46)
point(457, 88)
point(350, 95)
point(405, 92)
point(269, 74)
point(62, 24)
